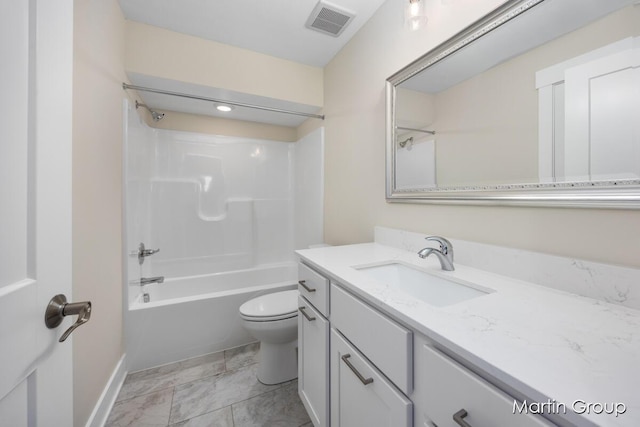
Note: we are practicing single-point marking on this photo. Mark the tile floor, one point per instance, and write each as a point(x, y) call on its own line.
point(218, 389)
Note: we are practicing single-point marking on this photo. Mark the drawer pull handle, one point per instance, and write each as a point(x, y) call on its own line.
point(458, 418)
point(304, 313)
point(364, 380)
point(303, 284)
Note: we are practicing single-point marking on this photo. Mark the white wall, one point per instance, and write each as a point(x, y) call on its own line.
point(355, 165)
point(309, 190)
point(213, 203)
point(138, 152)
point(217, 203)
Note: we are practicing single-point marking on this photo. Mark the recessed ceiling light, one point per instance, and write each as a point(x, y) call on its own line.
point(224, 108)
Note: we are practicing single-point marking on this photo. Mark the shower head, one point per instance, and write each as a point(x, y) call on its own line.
point(154, 114)
point(157, 116)
point(403, 143)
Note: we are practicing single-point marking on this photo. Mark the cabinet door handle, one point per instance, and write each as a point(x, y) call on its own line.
point(305, 314)
point(365, 381)
point(303, 284)
point(458, 418)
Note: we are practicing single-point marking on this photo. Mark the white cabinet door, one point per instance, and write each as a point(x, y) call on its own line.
point(313, 363)
point(360, 394)
point(449, 389)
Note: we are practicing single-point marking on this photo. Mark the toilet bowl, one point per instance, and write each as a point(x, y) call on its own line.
point(273, 320)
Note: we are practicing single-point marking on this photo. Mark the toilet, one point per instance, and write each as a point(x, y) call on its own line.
point(273, 320)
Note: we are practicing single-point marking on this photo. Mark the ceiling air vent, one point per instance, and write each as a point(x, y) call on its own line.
point(329, 19)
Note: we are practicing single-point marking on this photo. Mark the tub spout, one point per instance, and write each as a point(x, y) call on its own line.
point(150, 280)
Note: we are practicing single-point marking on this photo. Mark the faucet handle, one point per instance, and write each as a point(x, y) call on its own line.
point(143, 252)
point(445, 246)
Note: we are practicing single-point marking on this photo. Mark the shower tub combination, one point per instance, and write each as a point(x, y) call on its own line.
point(226, 214)
point(190, 316)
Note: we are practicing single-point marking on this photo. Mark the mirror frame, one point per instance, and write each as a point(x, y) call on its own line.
point(597, 194)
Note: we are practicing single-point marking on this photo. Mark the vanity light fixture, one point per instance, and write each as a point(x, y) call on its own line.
point(415, 15)
point(224, 108)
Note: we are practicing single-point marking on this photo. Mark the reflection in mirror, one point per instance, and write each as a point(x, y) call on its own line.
point(549, 99)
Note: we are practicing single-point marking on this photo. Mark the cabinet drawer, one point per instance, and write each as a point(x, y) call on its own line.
point(450, 388)
point(314, 287)
point(387, 344)
point(360, 394)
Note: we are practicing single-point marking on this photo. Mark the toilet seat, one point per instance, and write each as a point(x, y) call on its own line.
point(271, 307)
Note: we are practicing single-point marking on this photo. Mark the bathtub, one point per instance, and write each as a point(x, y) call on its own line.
point(191, 316)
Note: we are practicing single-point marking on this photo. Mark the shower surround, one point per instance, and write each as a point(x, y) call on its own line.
point(226, 214)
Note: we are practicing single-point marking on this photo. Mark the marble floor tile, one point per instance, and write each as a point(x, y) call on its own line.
point(206, 395)
point(241, 356)
point(145, 411)
point(220, 418)
point(154, 379)
point(278, 408)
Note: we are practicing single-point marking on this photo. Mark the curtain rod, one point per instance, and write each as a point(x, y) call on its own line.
point(220, 101)
point(432, 132)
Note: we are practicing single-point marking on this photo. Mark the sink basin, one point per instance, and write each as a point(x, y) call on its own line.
point(430, 288)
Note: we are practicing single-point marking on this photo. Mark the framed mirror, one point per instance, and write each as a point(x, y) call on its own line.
point(537, 103)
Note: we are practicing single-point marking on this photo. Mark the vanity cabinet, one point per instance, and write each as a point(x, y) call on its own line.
point(359, 366)
point(313, 345)
point(360, 393)
point(387, 344)
point(448, 390)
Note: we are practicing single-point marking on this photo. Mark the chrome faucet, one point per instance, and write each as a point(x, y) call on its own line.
point(150, 280)
point(445, 254)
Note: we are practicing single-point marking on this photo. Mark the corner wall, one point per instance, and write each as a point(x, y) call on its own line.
point(98, 73)
point(355, 165)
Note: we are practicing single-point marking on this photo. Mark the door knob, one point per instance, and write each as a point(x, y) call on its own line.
point(58, 308)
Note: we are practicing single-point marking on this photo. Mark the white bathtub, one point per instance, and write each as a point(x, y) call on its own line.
point(191, 316)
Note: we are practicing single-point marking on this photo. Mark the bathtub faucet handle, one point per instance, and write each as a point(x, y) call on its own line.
point(142, 253)
point(149, 280)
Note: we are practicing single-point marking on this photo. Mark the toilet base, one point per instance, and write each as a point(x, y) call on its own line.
point(277, 363)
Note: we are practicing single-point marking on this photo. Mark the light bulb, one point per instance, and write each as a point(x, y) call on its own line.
point(415, 15)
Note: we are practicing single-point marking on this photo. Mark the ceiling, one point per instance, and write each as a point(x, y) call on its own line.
point(272, 27)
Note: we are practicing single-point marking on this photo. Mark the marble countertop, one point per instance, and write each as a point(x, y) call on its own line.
point(544, 343)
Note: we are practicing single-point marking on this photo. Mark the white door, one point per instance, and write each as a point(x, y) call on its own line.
point(602, 106)
point(36, 47)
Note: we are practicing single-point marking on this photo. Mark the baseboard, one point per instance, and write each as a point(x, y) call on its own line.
point(108, 397)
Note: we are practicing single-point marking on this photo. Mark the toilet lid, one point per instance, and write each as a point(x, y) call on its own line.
point(277, 304)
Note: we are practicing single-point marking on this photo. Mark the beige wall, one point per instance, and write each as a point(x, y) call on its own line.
point(414, 109)
point(355, 164)
point(167, 54)
point(97, 196)
point(162, 53)
point(220, 126)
